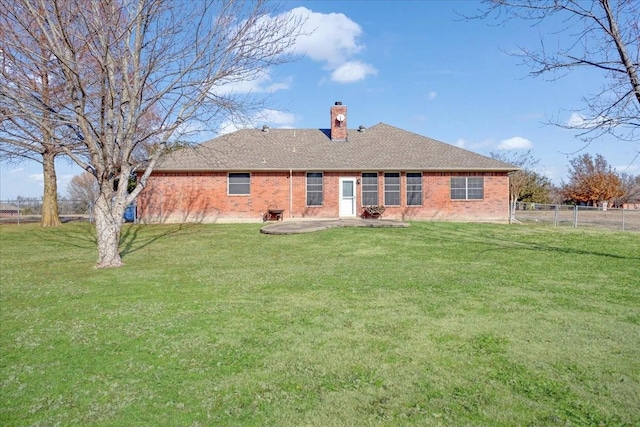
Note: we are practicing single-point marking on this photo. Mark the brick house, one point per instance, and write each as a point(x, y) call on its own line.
point(325, 173)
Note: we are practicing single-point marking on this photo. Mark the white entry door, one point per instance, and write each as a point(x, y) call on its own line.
point(347, 197)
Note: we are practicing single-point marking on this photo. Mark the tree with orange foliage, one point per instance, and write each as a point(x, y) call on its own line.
point(592, 181)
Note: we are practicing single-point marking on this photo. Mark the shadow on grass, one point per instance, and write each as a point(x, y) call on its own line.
point(131, 242)
point(82, 236)
point(500, 242)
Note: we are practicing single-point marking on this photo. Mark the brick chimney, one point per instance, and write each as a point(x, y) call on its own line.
point(338, 122)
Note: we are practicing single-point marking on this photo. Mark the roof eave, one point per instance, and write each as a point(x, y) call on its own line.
point(386, 169)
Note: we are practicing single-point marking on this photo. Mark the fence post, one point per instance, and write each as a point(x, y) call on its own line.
point(622, 217)
point(18, 204)
point(555, 215)
point(575, 216)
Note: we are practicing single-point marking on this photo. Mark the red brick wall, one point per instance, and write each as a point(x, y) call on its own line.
point(338, 128)
point(202, 196)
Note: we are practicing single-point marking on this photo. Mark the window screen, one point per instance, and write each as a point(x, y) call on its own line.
point(369, 188)
point(239, 183)
point(314, 189)
point(414, 189)
point(392, 189)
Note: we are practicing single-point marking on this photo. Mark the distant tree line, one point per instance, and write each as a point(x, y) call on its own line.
point(591, 182)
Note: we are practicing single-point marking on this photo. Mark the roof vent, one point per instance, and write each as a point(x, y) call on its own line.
point(265, 128)
point(338, 103)
point(361, 128)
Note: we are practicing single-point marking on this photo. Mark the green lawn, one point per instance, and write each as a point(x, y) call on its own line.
point(435, 324)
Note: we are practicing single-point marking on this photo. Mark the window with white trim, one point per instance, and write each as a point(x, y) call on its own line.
point(467, 188)
point(392, 189)
point(369, 188)
point(314, 188)
point(239, 183)
point(414, 188)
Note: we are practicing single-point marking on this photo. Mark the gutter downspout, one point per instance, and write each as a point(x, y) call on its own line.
point(290, 193)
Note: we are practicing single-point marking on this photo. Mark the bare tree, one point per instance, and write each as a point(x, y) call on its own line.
point(83, 190)
point(630, 188)
point(28, 83)
point(602, 35)
point(123, 61)
point(525, 182)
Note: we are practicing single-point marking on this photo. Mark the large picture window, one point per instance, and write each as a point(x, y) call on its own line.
point(414, 189)
point(314, 189)
point(467, 188)
point(239, 183)
point(369, 188)
point(392, 189)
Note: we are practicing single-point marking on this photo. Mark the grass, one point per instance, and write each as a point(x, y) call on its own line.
point(435, 324)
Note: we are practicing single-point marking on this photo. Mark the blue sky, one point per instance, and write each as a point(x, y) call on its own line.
point(417, 66)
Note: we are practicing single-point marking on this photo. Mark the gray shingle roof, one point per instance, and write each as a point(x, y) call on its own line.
point(381, 147)
point(8, 207)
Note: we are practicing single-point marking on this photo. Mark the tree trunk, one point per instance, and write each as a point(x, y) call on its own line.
point(50, 217)
point(108, 217)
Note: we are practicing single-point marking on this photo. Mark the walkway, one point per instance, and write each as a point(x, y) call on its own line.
point(308, 226)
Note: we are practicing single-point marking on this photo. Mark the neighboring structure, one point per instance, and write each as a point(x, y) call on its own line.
point(8, 210)
point(325, 173)
point(631, 205)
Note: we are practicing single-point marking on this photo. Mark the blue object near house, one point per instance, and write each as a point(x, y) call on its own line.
point(130, 213)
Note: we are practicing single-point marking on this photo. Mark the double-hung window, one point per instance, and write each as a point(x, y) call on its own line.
point(392, 189)
point(314, 188)
point(414, 189)
point(239, 183)
point(467, 188)
point(369, 188)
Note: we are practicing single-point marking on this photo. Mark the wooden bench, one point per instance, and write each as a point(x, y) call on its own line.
point(273, 215)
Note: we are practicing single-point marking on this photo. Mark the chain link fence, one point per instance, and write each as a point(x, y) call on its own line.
point(578, 216)
point(30, 210)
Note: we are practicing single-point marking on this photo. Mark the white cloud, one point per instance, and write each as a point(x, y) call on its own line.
point(228, 126)
point(550, 173)
point(578, 121)
point(37, 177)
point(260, 83)
point(274, 118)
point(17, 170)
point(432, 95)
point(328, 38)
point(461, 143)
point(352, 71)
point(332, 39)
point(515, 143)
point(64, 180)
